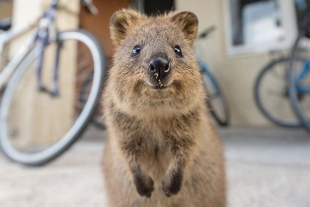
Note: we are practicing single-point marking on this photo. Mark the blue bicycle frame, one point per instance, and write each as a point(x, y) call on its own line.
point(205, 69)
point(301, 76)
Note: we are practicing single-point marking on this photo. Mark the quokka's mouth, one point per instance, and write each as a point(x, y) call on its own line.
point(158, 86)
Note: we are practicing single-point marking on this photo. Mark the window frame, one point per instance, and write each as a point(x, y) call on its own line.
point(289, 24)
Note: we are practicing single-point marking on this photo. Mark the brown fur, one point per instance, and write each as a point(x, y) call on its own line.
point(162, 150)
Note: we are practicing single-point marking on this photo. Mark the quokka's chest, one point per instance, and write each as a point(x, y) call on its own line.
point(155, 146)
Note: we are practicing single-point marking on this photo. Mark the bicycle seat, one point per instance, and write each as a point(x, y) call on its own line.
point(5, 24)
point(205, 33)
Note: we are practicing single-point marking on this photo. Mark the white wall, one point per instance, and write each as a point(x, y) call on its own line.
point(236, 75)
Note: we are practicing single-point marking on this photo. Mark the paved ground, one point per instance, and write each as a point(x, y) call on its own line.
point(265, 168)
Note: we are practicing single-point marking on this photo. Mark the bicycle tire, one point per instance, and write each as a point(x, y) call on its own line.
point(80, 123)
point(96, 119)
point(223, 120)
point(292, 86)
point(258, 99)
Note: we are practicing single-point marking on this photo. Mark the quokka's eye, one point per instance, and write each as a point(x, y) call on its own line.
point(136, 50)
point(178, 50)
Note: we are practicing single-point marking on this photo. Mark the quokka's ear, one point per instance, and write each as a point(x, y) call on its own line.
point(188, 22)
point(121, 22)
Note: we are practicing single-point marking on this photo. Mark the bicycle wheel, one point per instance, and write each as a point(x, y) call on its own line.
point(299, 79)
point(97, 117)
point(37, 126)
point(271, 94)
point(216, 100)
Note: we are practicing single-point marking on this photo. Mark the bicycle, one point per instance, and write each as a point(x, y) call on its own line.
point(216, 99)
point(299, 75)
point(290, 94)
point(271, 92)
point(50, 92)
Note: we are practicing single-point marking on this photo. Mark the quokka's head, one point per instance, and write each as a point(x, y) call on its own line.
point(154, 63)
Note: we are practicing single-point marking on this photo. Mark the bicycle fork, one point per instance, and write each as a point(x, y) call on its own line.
point(54, 91)
point(55, 86)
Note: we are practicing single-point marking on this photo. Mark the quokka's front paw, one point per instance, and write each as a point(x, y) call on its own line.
point(172, 183)
point(144, 185)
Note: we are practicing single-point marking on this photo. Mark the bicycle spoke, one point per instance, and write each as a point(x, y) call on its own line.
point(84, 63)
point(276, 93)
point(277, 75)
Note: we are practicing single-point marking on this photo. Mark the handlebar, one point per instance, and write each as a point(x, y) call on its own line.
point(88, 5)
point(205, 33)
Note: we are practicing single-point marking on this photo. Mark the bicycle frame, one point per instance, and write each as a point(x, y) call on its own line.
point(5, 38)
point(205, 69)
point(301, 76)
point(45, 34)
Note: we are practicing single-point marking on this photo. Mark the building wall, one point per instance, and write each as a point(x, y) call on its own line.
point(236, 75)
point(98, 25)
point(5, 9)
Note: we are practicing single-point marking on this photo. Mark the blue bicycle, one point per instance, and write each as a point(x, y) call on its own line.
point(216, 99)
point(282, 89)
point(299, 75)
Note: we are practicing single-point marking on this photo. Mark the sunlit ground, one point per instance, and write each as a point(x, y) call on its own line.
point(266, 167)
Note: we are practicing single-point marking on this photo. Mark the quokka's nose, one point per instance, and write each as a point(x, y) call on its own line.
point(159, 67)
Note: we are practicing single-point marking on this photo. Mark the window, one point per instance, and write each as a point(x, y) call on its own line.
point(254, 26)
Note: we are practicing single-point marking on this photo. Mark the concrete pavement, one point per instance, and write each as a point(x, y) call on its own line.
point(266, 167)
